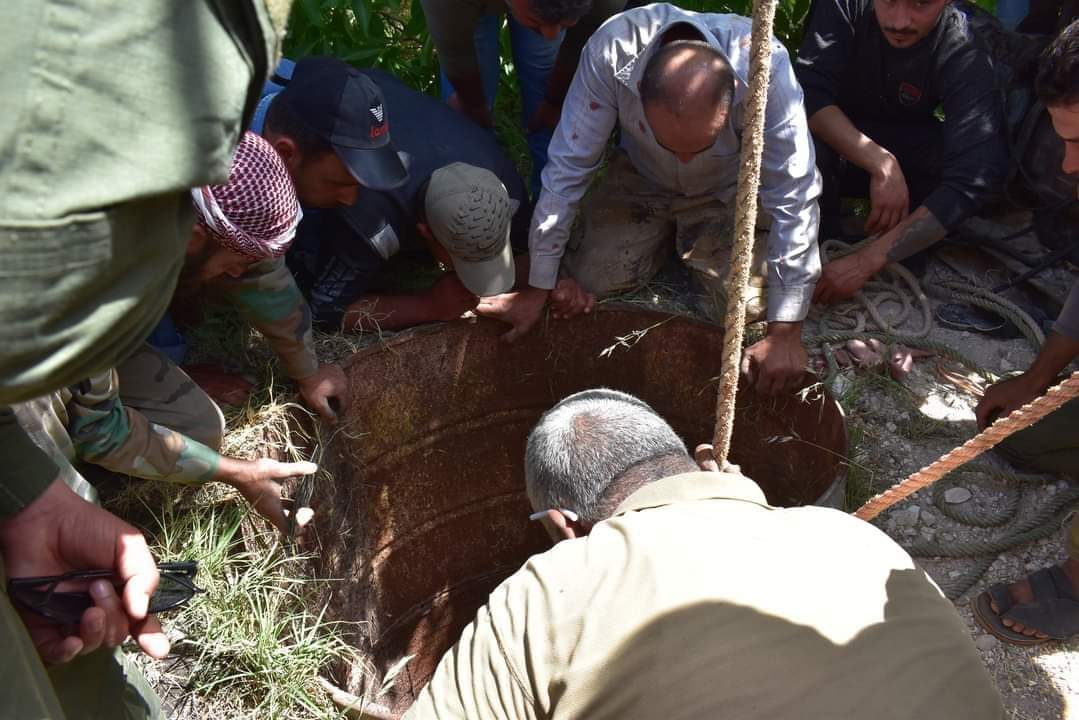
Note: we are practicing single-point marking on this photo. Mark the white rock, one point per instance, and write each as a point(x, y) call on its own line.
point(986, 643)
point(956, 495)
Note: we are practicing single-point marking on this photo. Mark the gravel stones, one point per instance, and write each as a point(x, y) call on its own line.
point(908, 516)
point(956, 495)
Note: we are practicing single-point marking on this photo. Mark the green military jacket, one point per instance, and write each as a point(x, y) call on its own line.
point(112, 111)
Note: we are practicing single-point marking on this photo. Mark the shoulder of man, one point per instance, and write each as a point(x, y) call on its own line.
point(966, 28)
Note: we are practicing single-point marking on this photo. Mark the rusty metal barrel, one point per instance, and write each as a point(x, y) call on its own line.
point(427, 512)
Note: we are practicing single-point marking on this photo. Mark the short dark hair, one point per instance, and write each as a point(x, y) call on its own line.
point(558, 11)
point(1057, 82)
point(664, 82)
point(283, 119)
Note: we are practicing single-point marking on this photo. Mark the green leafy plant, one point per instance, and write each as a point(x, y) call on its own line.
point(390, 34)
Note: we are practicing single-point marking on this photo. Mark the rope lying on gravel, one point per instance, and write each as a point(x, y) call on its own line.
point(1034, 528)
point(862, 317)
point(851, 319)
point(886, 287)
point(1002, 428)
point(1045, 522)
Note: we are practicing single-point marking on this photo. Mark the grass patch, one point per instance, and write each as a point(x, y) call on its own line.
point(256, 643)
point(860, 478)
point(252, 648)
point(875, 382)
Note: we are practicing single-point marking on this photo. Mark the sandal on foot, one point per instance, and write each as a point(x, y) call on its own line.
point(1054, 612)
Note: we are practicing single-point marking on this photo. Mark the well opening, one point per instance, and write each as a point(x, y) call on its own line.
point(428, 512)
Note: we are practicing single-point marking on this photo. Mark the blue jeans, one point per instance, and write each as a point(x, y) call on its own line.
point(534, 58)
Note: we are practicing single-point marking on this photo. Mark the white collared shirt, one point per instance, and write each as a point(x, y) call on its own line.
point(604, 93)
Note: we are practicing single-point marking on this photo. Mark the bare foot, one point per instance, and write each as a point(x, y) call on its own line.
point(1022, 594)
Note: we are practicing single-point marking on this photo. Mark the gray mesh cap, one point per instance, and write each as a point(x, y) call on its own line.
point(469, 212)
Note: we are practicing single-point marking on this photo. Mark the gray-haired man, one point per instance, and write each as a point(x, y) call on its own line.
point(681, 593)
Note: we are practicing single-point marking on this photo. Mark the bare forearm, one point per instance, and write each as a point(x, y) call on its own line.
point(233, 471)
point(389, 312)
point(915, 233)
point(833, 126)
point(1058, 351)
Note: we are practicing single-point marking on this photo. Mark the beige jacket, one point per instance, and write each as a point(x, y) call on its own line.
point(698, 600)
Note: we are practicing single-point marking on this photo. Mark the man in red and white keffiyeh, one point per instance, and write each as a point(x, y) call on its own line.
point(250, 218)
point(243, 229)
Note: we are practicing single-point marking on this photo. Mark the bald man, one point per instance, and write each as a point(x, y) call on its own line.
point(674, 83)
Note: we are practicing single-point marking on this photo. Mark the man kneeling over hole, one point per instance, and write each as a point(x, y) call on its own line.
point(674, 84)
point(166, 428)
point(682, 594)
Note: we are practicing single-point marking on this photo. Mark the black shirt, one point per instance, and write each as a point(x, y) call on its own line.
point(846, 61)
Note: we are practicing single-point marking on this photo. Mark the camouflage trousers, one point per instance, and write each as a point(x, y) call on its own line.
point(147, 382)
point(160, 390)
point(103, 684)
point(629, 227)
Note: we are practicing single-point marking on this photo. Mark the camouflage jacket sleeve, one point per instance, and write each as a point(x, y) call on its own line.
point(269, 300)
point(120, 439)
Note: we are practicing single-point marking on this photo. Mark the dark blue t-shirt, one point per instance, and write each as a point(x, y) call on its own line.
point(338, 253)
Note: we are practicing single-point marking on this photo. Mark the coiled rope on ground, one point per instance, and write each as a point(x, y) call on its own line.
point(863, 319)
point(1046, 521)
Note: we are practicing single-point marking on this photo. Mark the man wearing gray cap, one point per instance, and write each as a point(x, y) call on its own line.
point(466, 220)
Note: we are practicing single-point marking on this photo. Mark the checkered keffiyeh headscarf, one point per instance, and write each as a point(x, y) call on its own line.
point(256, 212)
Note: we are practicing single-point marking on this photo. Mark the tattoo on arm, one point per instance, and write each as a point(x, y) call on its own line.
point(919, 234)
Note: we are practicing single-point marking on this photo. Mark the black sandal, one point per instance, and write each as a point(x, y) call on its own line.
point(1054, 612)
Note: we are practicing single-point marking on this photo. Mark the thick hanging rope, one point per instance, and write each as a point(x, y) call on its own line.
point(749, 177)
point(1018, 420)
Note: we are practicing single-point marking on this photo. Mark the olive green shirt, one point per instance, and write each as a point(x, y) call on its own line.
point(698, 600)
point(112, 111)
